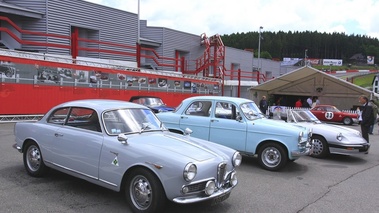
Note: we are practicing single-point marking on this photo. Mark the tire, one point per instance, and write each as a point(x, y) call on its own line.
point(33, 160)
point(144, 192)
point(272, 156)
point(347, 121)
point(320, 147)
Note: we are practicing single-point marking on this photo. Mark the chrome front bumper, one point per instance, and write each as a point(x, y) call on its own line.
point(307, 150)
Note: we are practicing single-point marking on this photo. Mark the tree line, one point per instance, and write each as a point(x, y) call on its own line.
point(279, 45)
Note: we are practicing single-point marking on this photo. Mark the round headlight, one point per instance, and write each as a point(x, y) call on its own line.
point(189, 172)
point(300, 136)
point(210, 187)
point(237, 159)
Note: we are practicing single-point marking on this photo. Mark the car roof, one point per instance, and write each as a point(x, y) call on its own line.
point(220, 98)
point(100, 104)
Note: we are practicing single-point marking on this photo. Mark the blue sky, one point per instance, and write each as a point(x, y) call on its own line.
point(358, 17)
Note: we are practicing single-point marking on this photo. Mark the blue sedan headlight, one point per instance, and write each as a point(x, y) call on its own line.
point(190, 172)
point(237, 159)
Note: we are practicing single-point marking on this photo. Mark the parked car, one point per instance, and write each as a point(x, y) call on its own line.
point(154, 103)
point(330, 113)
point(238, 123)
point(123, 146)
point(327, 138)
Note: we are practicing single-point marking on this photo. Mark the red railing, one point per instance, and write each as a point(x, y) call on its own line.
point(74, 47)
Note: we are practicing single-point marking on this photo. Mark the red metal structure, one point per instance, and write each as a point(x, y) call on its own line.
point(18, 97)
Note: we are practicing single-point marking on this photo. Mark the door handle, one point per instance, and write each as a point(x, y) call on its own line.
point(214, 120)
point(58, 135)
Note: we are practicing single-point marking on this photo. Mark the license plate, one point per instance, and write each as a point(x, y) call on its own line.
point(220, 198)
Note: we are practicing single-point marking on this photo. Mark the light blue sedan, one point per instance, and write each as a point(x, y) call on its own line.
point(124, 147)
point(238, 123)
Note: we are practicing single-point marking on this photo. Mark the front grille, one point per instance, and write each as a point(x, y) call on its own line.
point(221, 171)
point(197, 187)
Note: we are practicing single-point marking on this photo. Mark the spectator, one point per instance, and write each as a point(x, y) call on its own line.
point(374, 105)
point(309, 101)
point(263, 105)
point(314, 102)
point(298, 103)
point(367, 117)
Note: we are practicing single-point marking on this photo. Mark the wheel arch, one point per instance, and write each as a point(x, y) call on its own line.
point(272, 141)
point(131, 169)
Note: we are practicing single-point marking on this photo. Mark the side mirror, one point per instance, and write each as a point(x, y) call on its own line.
point(122, 138)
point(187, 131)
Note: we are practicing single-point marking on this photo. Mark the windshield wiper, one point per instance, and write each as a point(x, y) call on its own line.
point(144, 127)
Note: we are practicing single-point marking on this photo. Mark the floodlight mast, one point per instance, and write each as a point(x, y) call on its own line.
point(259, 49)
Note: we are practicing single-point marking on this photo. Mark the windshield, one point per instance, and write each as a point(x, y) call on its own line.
point(251, 110)
point(154, 102)
point(304, 116)
point(131, 121)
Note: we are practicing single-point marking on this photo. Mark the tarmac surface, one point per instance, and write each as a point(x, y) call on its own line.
point(308, 185)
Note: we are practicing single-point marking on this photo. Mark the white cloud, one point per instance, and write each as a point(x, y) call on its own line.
point(226, 17)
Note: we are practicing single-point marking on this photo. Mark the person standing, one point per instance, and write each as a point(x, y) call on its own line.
point(375, 105)
point(263, 105)
point(298, 103)
point(367, 117)
point(309, 101)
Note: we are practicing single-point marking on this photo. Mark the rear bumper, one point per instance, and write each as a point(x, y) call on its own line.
point(17, 147)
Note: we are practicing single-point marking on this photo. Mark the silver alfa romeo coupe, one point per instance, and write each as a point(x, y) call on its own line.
point(124, 147)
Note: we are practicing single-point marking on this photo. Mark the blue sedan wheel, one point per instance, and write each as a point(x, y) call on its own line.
point(144, 192)
point(272, 156)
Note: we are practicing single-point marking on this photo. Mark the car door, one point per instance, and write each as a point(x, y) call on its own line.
point(78, 143)
point(319, 112)
point(225, 128)
point(197, 118)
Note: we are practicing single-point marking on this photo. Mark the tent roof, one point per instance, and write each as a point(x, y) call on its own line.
point(307, 81)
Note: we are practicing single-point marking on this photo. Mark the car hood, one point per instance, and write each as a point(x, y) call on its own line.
point(284, 126)
point(176, 144)
point(322, 127)
point(162, 108)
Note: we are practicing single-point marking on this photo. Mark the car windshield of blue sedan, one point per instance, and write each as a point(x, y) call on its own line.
point(251, 110)
point(131, 121)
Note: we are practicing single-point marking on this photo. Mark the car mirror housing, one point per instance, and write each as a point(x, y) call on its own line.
point(122, 138)
point(187, 131)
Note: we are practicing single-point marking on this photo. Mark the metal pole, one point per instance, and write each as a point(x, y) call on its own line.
point(138, 24)
point(259, 49)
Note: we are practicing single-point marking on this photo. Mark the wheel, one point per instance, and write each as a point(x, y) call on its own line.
point(144, 192)
point(33, 160)
point(272, 156)
point(320, 147)
point(347, 121)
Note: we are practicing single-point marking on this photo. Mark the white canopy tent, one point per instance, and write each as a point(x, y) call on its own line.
point(308, 81)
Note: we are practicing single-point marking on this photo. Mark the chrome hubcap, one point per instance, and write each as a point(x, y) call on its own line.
point(141, 192)
point(33, 158)
point(317, 147)
point(271, 157)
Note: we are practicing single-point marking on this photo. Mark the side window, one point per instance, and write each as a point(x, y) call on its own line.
point(225, 110)
point(199, 108)
point(58, 116)
point(84, 118)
